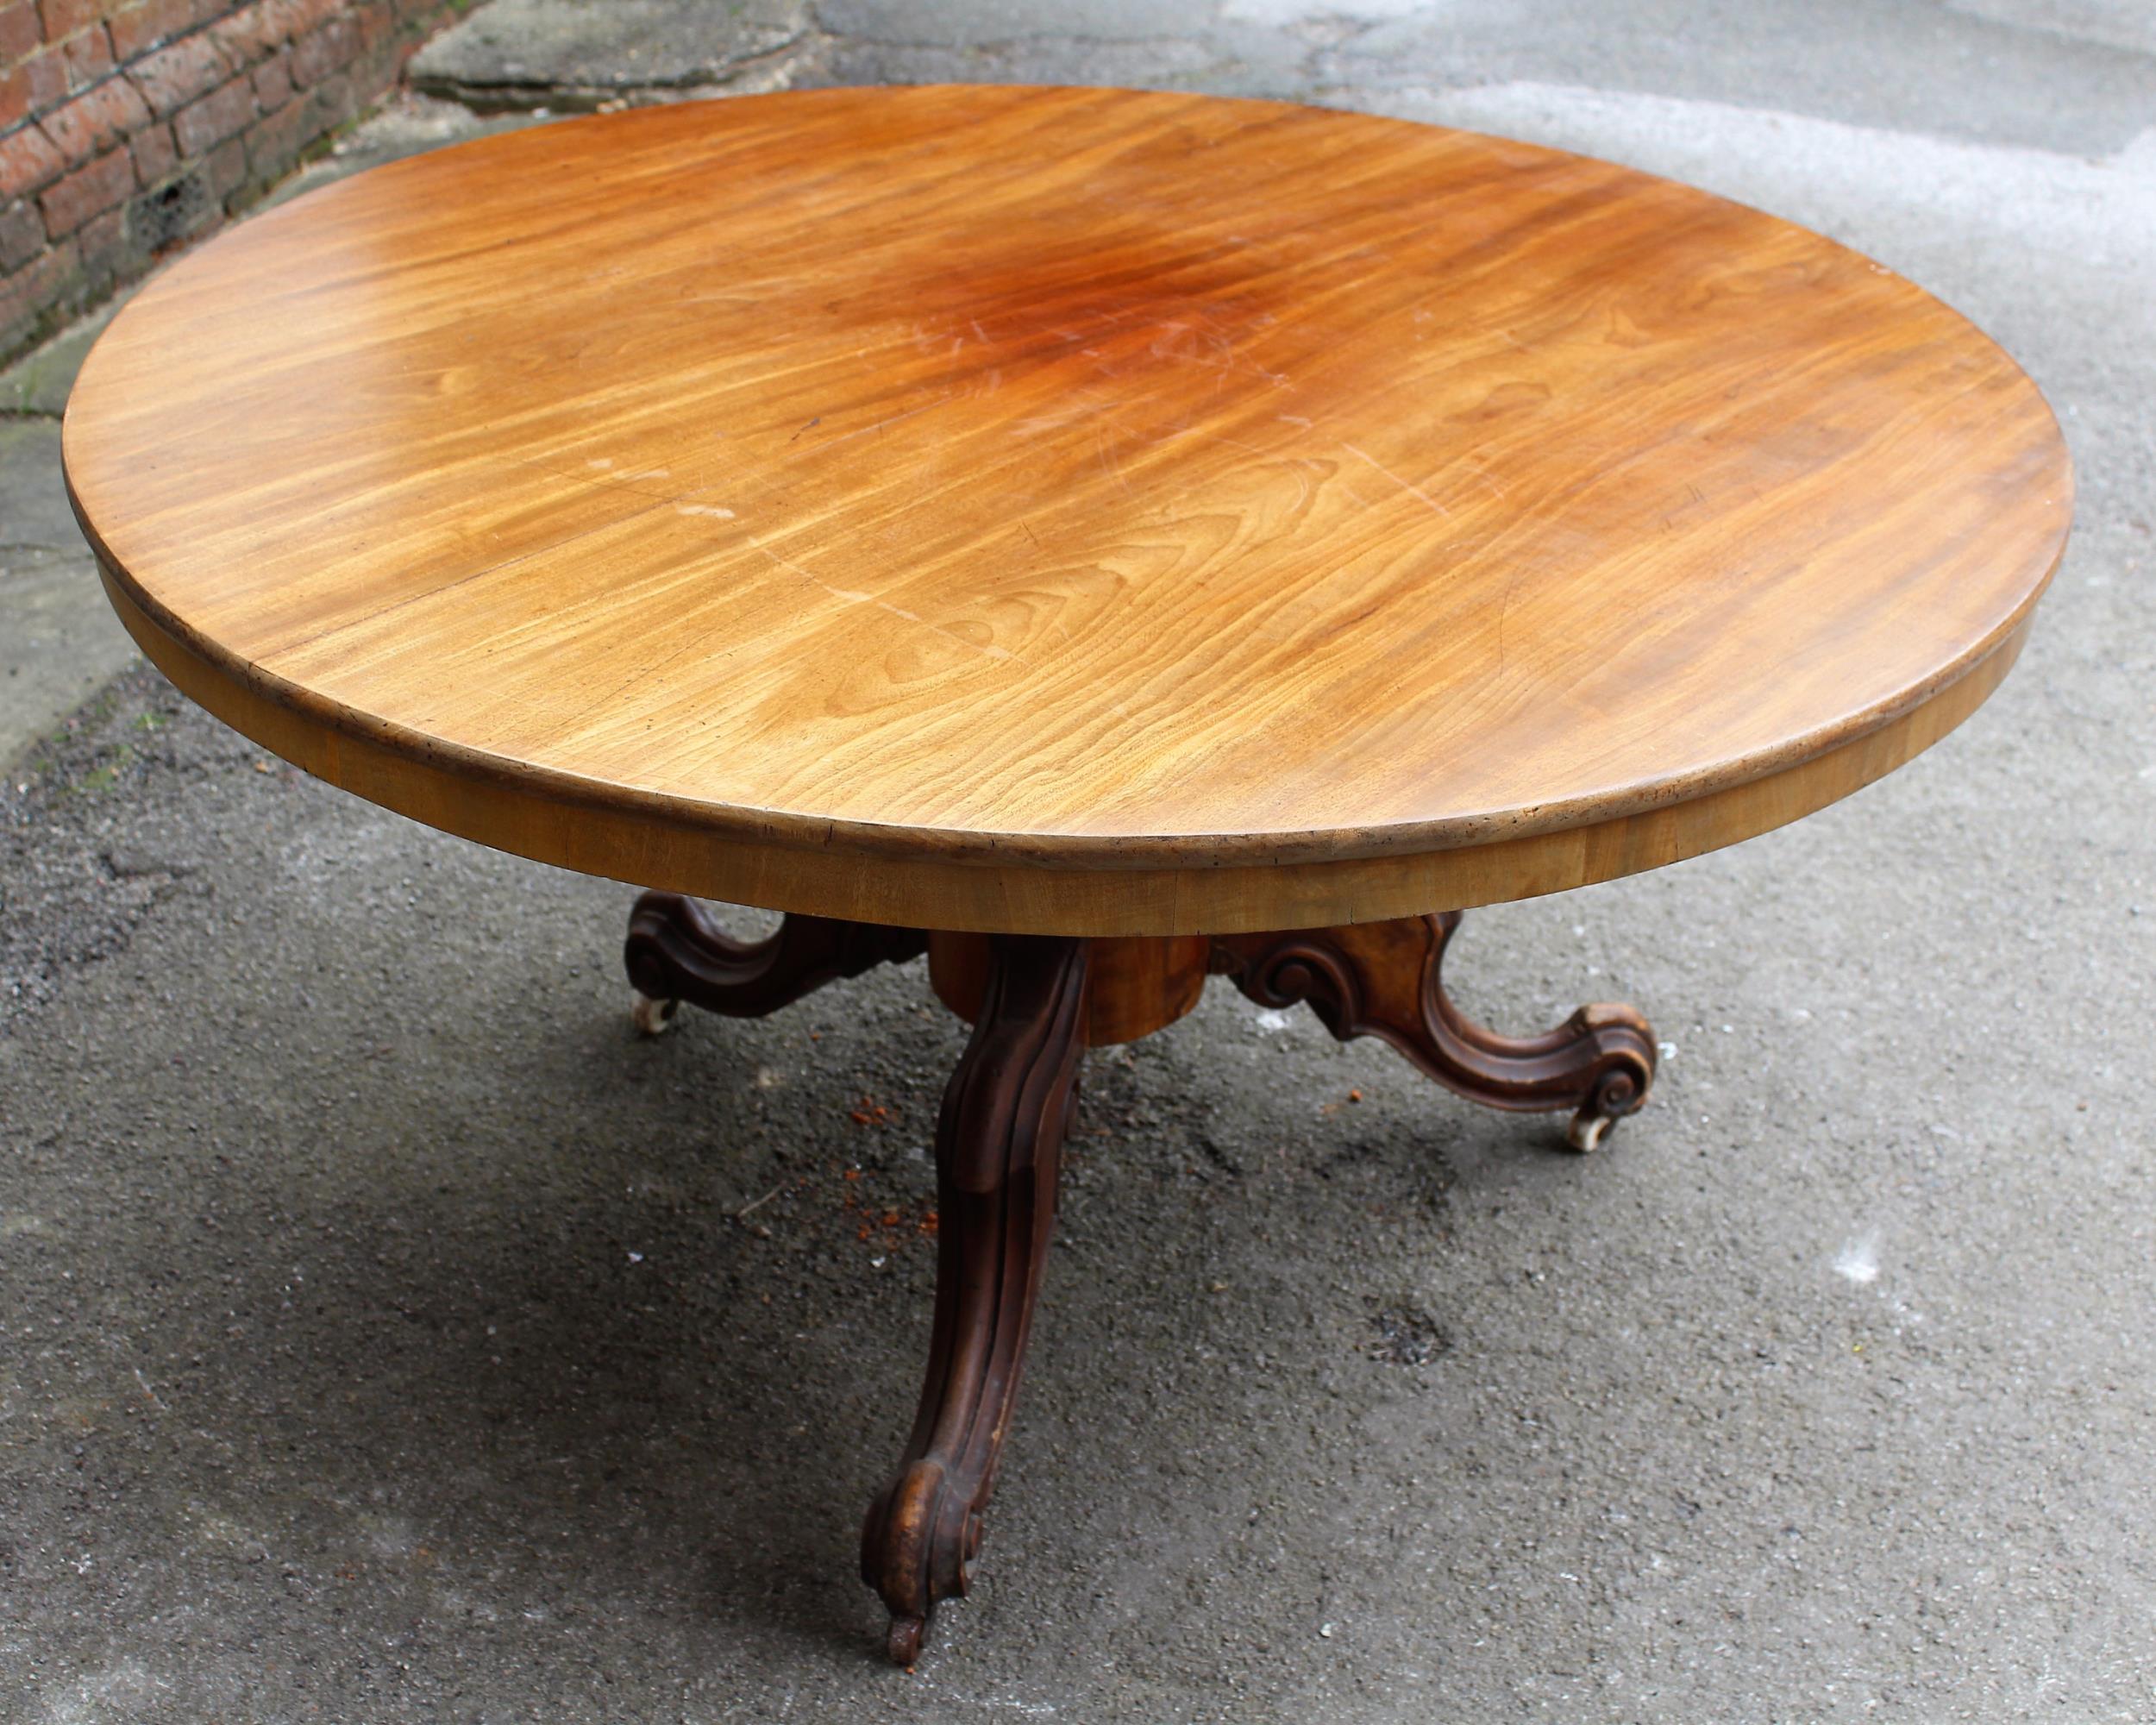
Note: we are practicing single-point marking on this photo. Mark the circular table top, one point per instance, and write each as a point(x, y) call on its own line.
point(1087, 511)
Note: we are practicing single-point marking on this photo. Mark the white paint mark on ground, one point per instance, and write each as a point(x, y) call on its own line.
point(1859, 1259)
point(1270, 1022)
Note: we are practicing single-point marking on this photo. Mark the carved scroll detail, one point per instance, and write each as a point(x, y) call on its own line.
point(675, 952)
point(1386, 979)
point(998, 1143)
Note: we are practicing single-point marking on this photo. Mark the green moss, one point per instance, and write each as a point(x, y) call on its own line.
point(106, 774)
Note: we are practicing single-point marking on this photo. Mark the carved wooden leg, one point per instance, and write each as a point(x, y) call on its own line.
point(1384, 980)
point(997, 1146)
point(676, 953)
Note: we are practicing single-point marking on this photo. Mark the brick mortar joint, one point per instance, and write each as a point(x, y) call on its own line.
point(122, 71)
point(63, 280)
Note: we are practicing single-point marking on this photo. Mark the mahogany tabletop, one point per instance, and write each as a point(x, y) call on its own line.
point(1067, 511)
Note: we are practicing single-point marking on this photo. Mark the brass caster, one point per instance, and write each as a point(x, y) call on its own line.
point(1586, 1131)
point(1616, 1094)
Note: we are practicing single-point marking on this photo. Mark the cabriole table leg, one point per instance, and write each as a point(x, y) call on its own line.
point(1385, 979)
point(998, 1143)
point(676, 953)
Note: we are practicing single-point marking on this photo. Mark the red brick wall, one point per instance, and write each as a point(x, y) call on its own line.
point(129, 127)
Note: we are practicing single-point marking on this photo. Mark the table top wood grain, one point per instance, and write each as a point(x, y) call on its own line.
point(1081, 512)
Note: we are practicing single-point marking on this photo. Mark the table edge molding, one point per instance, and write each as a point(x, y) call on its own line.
point(555, 819)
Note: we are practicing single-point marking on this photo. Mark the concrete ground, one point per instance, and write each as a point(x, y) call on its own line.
point(387, 1335)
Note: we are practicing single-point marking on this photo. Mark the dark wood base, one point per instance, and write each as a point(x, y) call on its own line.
point(1384, 979)
point(1036, 1003)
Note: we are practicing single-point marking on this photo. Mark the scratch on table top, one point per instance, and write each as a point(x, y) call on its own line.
point(876, 425)
point(851, 596)
point(1407, 485)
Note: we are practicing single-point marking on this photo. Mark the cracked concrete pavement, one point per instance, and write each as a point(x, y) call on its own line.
point(384, 1337)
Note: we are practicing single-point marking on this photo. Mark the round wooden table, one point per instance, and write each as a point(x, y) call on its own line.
point(1094, 538)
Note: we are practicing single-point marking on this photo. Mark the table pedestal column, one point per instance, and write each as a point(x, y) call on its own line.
point(1036, 1003)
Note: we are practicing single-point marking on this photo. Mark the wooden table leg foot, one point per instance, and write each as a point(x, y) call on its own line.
point(902, 1645)
point(998, 1143)
point(1386, 979)
point(676, 953)
point(1615, 1048)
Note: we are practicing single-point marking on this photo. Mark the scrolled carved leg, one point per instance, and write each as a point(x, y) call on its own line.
point(997, 1144)
point(676, 953)
point(1386, 979)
